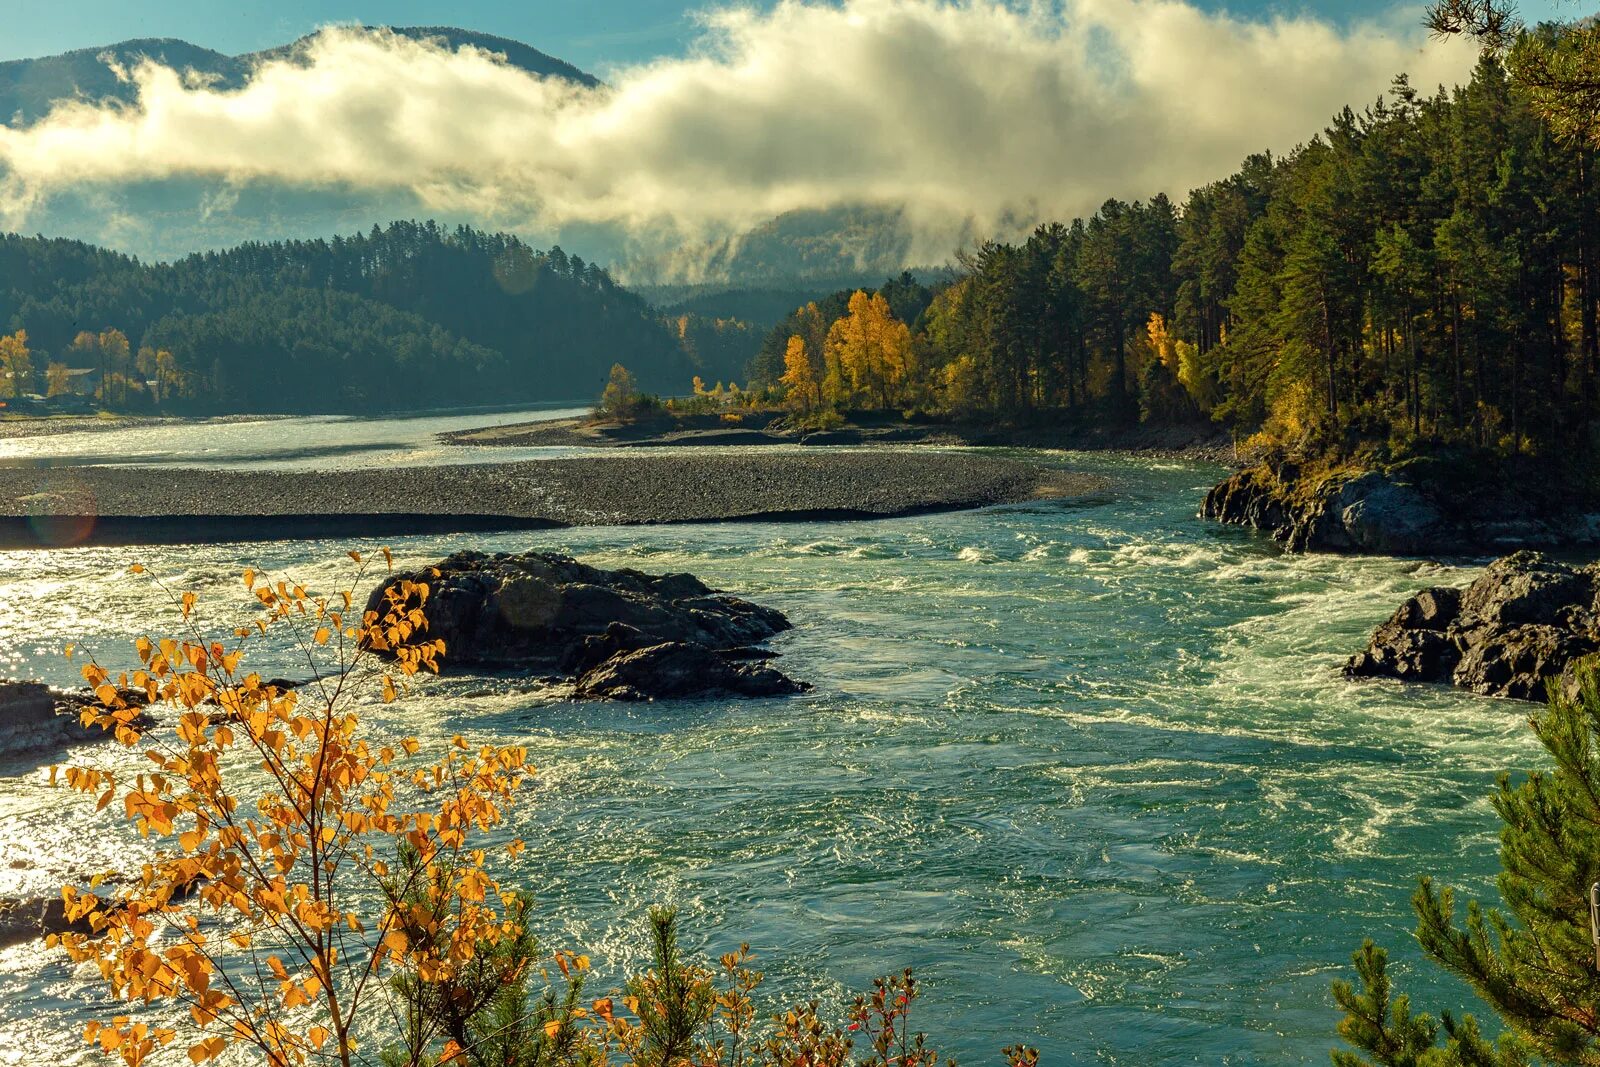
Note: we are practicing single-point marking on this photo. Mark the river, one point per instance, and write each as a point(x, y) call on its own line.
point(1087, 765)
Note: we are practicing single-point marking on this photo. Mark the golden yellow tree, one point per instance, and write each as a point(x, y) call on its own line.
point(799, 376)
point(278, 921)
point(814, 331)
point(56, 380)
point(115, 347)
point(894, 353)
point(85, 346)
point(868, 351)
point(1182, 358)
point(116, 362)
point(145, 362)
point(168, 378)
point(844, 355)
point(16, 364)
point(621, 391)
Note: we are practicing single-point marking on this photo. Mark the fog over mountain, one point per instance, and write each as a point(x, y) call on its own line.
point(878, 133)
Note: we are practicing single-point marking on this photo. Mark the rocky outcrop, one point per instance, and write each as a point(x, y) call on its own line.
point(33, 918)
point(1527, 621)
point(1384, 513)
point(619, 634)
point(1347, 512)
point(679, 669)
point(30, 918)
point(34, 717)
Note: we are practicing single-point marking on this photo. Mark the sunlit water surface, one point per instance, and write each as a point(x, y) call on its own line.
point(317, 441)
point(1088, 766)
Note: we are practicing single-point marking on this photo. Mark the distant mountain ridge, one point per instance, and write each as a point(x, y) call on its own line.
point(410, 315)
point(796, 256)
point(30, 87)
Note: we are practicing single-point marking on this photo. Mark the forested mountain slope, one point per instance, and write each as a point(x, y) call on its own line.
point(406, 317)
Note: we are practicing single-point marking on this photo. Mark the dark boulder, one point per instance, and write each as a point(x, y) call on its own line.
point(1431, 609)
point(1252, 498)
point(34, 918)
point(679, 669)
point(533, 609)
point(35, 717)
point(1526, 621)
point(540, 611)
point(1411, 508)
point(1520, 662)
point(1527, 587)
point(1414, 655)
point(595, 649)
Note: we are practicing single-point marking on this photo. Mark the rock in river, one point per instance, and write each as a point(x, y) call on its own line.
point(28, 920)
point(681, 669)
point(620, 634)
point(1450, 503)
point(1528, 620)
point(1347, 512)
point(34, 717)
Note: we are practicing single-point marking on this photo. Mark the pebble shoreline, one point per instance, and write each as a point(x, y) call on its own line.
point(136, 505)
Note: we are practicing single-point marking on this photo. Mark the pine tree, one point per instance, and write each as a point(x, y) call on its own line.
point(1534, 962)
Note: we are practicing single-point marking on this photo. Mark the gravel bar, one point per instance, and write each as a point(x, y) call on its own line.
point(177, 505)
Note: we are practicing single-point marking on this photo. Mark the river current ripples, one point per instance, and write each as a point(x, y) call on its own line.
point(1087, 765)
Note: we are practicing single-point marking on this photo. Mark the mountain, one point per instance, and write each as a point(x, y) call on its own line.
point(814, 251)
point(169, 219)
point(800, 254)
point(410, 316)
point(761, 308)
point(30, 87)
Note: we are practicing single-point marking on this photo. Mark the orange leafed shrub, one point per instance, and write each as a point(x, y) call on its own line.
point(313, 889)
point(256, 913)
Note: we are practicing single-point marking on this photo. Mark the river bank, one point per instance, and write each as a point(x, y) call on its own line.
point(1199, 443)
point(141, 505)
point(23, 427)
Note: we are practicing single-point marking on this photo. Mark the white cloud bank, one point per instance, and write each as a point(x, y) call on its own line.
point(958, 110)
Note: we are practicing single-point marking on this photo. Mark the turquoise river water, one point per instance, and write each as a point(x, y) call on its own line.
point(1088, 766)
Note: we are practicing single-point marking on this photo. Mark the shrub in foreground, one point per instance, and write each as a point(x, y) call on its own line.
point(314, 892)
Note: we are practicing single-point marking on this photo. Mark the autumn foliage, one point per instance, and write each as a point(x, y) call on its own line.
point(319, 897)
point(278, 824)
point(16, 364)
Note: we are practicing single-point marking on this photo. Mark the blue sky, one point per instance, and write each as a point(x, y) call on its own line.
point(595, 34)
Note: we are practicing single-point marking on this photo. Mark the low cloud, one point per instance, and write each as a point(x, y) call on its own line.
point(963, 114)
